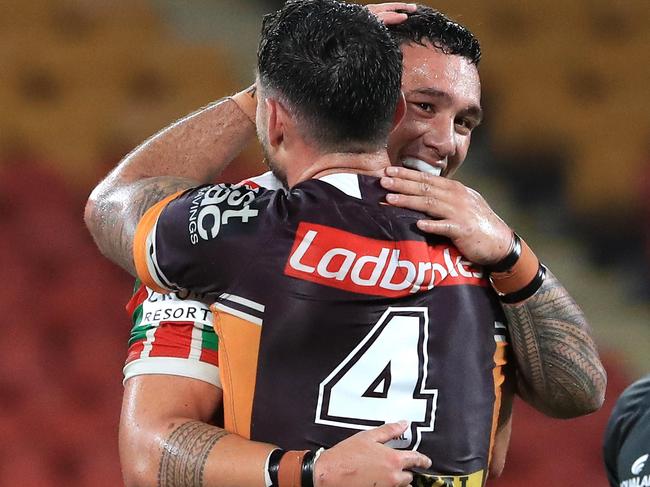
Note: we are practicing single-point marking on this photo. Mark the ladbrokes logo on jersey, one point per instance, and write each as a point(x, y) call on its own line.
point(336, 258)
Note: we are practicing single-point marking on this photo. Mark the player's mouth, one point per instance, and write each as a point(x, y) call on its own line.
point(423, 166)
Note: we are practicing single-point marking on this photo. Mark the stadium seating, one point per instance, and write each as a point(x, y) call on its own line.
point(569, 73)
point(82, 82)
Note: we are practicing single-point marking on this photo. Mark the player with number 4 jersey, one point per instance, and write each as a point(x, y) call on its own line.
point(335, 314)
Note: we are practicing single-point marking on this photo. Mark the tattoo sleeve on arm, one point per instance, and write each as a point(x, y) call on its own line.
point(113, 215)
point(559, 369)
point(185, 454)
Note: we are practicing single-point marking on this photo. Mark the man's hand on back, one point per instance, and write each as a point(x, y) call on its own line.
point(364, 459)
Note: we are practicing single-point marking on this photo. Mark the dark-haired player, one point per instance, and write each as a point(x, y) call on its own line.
point(436, 131)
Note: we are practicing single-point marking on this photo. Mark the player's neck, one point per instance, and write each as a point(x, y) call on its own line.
point(372, 164)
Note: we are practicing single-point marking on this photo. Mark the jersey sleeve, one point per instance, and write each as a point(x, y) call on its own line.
point(199, 240)
point(172, 334)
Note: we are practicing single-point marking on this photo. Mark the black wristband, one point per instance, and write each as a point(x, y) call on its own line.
point(274, 465)
point(307, 470)
point(527, 291)
point(509, 260)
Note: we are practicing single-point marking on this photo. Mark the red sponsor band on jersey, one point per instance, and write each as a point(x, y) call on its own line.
point(173, 339)
point(341, 259)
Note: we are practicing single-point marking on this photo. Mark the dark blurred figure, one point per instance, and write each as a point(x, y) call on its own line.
point(627, 438)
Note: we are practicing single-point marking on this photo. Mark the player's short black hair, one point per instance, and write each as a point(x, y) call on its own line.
point(336, 67)
point(429, 25)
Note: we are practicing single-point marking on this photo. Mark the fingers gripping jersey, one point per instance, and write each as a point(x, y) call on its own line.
point(334, 315)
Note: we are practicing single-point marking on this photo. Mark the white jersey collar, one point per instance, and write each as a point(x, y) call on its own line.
point(345, 182)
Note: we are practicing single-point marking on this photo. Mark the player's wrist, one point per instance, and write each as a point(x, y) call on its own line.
point(511, 257)
point(271, 467)
point(518, 275)
point(291, 468)
point(246, 100)
point(309, 468)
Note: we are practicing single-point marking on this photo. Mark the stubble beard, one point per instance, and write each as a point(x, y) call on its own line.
point(276, 170)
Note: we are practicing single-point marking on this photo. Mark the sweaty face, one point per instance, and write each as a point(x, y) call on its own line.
point(443, 96)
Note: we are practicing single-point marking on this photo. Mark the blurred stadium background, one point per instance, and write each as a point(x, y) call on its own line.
point(563, 156)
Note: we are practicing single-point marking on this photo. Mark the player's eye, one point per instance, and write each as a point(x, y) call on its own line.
point(465, 125)
point(426, 107)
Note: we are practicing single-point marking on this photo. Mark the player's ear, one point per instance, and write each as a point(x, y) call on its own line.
point(400, 111)
point(276, 116)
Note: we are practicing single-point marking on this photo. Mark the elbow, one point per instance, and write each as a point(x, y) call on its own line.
point(586, 407)
point(495, 471)
point(496, 468)
point(593, 395)
point(601, 387)
point(572, 410)
point(139, 462)
point(92, 214)
point(135, 476)
point(586, 401)
point(571, 397)
point(595, 401)
point(139, 449)
point(132, 481)
point(96, 211)
point(89, 215)
point(106, 219)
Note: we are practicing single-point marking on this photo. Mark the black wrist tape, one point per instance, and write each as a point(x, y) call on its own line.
point(307, 470)
point(527, 291)
point(274, 466)
point(509, 260)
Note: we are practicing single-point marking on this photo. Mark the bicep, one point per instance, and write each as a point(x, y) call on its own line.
point(154, 397)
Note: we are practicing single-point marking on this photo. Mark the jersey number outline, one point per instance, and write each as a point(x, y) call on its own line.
point(383, 379)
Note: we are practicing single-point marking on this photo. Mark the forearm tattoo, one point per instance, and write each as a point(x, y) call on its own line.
point(185, 454)
point(556, 356)
point(116, 214)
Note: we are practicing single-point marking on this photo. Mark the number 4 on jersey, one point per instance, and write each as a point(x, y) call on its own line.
point(383, 379)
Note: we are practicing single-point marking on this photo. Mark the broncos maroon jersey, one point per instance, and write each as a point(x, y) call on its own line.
point(336, 314)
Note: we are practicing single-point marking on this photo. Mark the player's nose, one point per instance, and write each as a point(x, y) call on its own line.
point(441, 137)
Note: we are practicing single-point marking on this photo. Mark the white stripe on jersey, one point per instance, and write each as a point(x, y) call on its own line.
point(499, 337)
point(152, 261)
point(242, 301)
point(148, 343)
point(239, 314)
point(195, 345)
point(182, 367)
